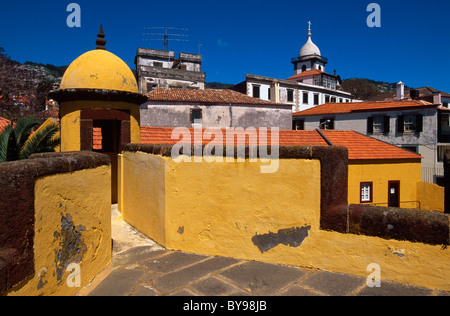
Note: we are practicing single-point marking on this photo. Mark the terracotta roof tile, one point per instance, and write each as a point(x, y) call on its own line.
point(214, 96)
point(308, 73)
point(360, 147)
point(3, 123)
point(339, 108)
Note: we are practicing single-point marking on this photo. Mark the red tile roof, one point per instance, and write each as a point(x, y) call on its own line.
point(339, 108)
point(360, 147)
point(211, 96)
point(308, 73)
point(3, 123)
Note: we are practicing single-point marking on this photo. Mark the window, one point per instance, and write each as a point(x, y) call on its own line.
point(196, 116)
point(316, 99)
point(441, 152)
point(410, 123)
point(327, 123)
point(378, 124)
point(298, 125)
point(305, 98)
point(157, 64)
point(410, 148)
point(303, 68)
point(445, 104)
point(327, 99)
point(366, 192)
point(256, 90)
point(290, 95)
point(333, 99)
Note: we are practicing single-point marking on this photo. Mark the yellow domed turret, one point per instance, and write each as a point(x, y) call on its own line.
point(99, 101)
point(99, 69)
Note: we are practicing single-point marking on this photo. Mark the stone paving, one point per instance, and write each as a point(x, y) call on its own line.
point(144, 268)
point(144, 271)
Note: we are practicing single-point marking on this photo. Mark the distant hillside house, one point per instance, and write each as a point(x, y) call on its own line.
point(212, 108)
point(160, 69)
point(310, 85)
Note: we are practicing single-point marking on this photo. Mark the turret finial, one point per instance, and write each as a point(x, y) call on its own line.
point(101, 42)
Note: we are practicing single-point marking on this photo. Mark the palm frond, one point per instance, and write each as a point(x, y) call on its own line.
point(24, 128)
point(42, 140)
point(8, 145)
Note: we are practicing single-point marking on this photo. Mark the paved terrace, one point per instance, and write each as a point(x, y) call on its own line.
point(141, 267)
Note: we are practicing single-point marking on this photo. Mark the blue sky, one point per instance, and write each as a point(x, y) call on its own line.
point(239, 37)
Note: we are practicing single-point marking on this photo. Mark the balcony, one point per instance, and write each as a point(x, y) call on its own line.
point(307, 57)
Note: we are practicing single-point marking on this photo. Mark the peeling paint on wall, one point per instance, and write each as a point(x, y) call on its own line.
point(72, 245)
point(292, 237)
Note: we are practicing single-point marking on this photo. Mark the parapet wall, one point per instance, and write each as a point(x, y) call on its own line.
point(55, 215)
point(298, 215)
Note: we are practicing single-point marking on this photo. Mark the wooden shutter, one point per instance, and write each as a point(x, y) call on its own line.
point(370, 125)
point(86, 134)
point(387, 124)
point(125, 134)
point(400, 124)
point(419, 123)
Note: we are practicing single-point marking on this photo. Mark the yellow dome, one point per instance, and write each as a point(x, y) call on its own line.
point(99, 69)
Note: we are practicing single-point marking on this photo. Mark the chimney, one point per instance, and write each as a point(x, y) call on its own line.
point(414, 94)
point(437, 98)
point(400, 91)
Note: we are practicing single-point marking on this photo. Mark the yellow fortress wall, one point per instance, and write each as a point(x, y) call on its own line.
point(231, 209)
point(72, 223)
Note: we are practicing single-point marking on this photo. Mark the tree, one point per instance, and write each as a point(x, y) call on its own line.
point(22, 140)
point(360, 88)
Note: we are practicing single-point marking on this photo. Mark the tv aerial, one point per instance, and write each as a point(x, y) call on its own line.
point(166, 36)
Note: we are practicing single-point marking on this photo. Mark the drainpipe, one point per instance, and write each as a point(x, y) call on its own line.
point(324, 137)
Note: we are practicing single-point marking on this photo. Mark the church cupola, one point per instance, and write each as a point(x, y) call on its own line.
point(309, 57)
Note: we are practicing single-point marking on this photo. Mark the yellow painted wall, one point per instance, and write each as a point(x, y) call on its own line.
point(431, 196)
point(70, 120)
point(143, 203)
point(380, 173)
point(72, 204)
point(218, 209)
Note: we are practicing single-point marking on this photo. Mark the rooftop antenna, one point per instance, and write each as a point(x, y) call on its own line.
point(173, 37)
point(199, 46)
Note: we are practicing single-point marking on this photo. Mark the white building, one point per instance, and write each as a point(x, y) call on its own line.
point(160, 69)
point(417, 123)
point(308, 87)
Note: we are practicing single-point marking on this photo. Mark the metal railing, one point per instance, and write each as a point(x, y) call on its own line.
point(297, 59)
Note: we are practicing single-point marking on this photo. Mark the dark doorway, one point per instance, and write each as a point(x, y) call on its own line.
point(108, 132)
point(394, 194)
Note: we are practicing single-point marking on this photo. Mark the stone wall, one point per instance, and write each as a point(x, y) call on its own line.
point(297, 216)
point(54, 211)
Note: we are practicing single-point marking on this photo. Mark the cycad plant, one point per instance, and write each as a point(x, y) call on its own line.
point(22, 140)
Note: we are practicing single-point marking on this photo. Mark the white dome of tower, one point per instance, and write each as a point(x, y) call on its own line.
point(309, 48)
